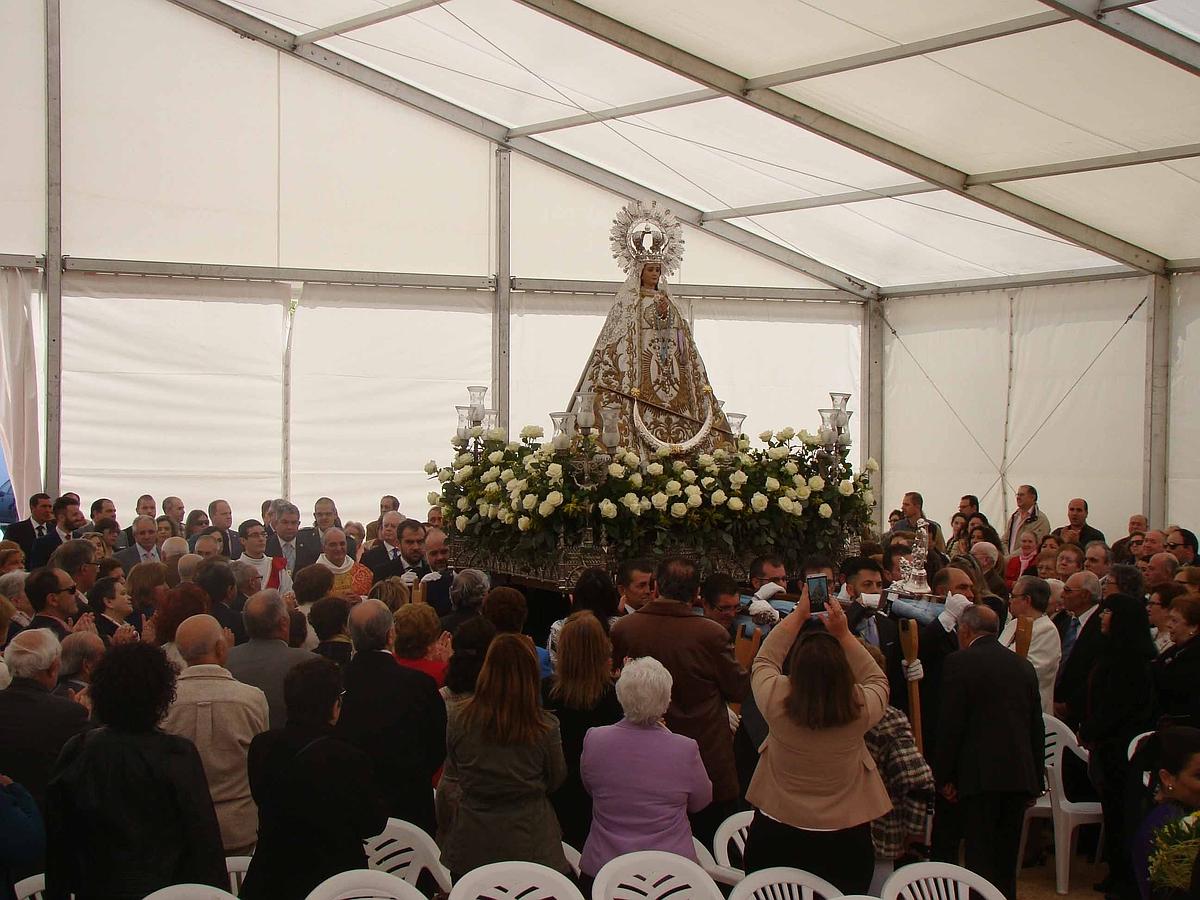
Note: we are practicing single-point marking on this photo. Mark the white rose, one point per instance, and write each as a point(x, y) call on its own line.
point(431, 467)
point(694, 500)
point(718, 497)
point(545, 508)
point(791, 468)
point(786, 434)
point(772, 484)
point(778, 452)
point(825, 510)
point(444, 475)
point(662, 451)
point(655, 469)
point(738, 478)
point(720, 454)
point(868, 498)
point(490, 475)
point(512, 446)
point(678, 466)
point(515, 504)
point(632, 459)
point(524, 523)
point(659, 500)
point(460, 524)
point(708, 481)
point(555, 499)
point(463, 504)
point(791, 494)
point(743, 443)
point(846, 487)
point(704, 460)
point(554, 472)
point(608, 509)
point(679, 510)
point(785, 504)
point(433, 498)
point(492, 489)
point(870, 465)
point(636, 479)
point(530, 501)
point(745, 459)
point(765, 436)
point(692, 490)
point(462, 459)
point(810, 439)
point(531, 462)
point(529, 432)
point(507, 475)
point(673, 487)
point(644, 504)
point(616, 470)
point(758, 502)
point(631, 502)
point(803, 492)
point(816, 483)
point(736, 504)
point(496, 456)
point(476, 431)
point(496, 434)
point(459, 476)
point(688, 476)
point(481, 504)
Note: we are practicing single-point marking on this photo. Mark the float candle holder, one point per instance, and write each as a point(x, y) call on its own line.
point(585, 415)
point(477, 393)
point(735, 420)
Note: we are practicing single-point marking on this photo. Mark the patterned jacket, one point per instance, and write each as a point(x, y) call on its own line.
point(908, 779)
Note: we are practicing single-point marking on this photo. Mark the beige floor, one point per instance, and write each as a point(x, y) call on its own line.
point(1038, 883)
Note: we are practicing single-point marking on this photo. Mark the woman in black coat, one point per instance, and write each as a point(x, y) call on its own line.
point(1120, 705)
point(317, 800)
point(1177, 669)
point(127, 808)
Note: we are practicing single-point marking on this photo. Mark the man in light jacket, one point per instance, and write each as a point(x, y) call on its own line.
point(220, 715)
point(1030, 600)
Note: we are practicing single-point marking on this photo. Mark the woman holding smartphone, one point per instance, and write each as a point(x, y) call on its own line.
point(816, 789)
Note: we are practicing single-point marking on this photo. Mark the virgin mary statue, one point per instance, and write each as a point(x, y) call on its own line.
point(645, 367)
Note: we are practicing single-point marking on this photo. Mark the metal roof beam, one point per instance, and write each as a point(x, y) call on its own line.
point(257, 29)
point(1134, 29)
point(814, 120)
point(1066, 276)
point(763, 209)
point(614, 112)
point(372, 18)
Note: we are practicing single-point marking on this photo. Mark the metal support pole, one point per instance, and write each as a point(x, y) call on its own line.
point(53, 271)
point(1158, 356)
point(871, 381)
point(501, 334)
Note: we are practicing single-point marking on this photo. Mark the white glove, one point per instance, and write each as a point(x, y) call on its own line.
point(769, 590)
point(870, 601)
point(432, 576)
point(913, 671)
point(762, 612)
point(956, 604)
point(409, 578)
point(734, 719)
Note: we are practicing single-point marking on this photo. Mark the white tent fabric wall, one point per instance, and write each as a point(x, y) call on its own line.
point(23, 112)
point(376, 374)
point(20, 419)
point(1183, 429)
point(1091, 445)
point(172, 386)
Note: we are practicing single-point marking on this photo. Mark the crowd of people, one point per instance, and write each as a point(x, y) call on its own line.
point(181, 690)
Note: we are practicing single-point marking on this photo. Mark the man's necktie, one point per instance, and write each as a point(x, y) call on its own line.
point(289, 554)
point(41, 531)
point(395, 552)
point(1069, 637)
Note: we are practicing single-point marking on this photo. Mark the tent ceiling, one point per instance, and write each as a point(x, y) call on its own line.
point(998, 86)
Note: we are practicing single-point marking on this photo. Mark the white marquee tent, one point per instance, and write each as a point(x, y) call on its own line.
point(260, 249)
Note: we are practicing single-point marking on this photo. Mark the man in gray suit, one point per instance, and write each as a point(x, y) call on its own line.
point(265, 659)
point(144, 547)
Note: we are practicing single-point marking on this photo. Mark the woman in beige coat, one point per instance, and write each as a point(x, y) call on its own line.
point(816, 788)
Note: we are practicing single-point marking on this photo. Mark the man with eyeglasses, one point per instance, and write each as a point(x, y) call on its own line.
point(1081, 642)
point(1181, 543)
point(1030, 599)
point(52, 594)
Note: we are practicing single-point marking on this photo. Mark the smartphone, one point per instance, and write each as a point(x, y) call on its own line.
point(818, 592)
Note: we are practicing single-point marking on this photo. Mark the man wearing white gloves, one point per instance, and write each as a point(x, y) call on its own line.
point(864, 585)
point(768, 577)
point(410, 564)
point(440, 575)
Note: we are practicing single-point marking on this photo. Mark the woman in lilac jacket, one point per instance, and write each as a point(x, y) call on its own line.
point(644, 779)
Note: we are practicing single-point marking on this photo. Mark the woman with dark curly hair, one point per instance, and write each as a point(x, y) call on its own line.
point(594, 592)
point(128, 809)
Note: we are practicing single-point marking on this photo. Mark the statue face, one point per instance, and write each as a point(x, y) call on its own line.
point(651, 272)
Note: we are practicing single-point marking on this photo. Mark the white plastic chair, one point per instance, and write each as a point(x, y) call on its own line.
point(1067, 815)
point(1133, 745)
point(503, 880)
point(364, 884)
point(404, 850)
point(236, 867)
point(30, 888)
point(937, 881)
point(573, 857)
point(1041, 808)
point(783, 883)
point(717, 872)
point(651, 875)
point(734, 829)
point(190, 892)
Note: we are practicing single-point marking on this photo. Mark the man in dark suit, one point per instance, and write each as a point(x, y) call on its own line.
point(67, 517)
point(215, 577)
point(989, 759)
point(437, 555)
point(144, 547)
point(146, 506)
point(410, 564)
point(387, 545)
point(53, 595)
point(40, 522)
point(284, 539)
point(1077, 530)
point(1081, 642)
point(265, 659)
point(864, 585)
point(220, 514)
point(393, 714)
point(34, 724)
point(311, 541)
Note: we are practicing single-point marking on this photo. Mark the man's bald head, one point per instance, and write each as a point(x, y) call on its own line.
point(977, 621)
point(371, 626)
point(266, 616)
point(201, 641)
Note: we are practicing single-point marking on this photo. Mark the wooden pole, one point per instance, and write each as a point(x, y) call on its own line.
point(1024, 636)
point(909, 643)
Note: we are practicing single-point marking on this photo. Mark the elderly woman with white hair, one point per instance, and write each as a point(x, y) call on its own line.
point(644, 779)
point(466, 598)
